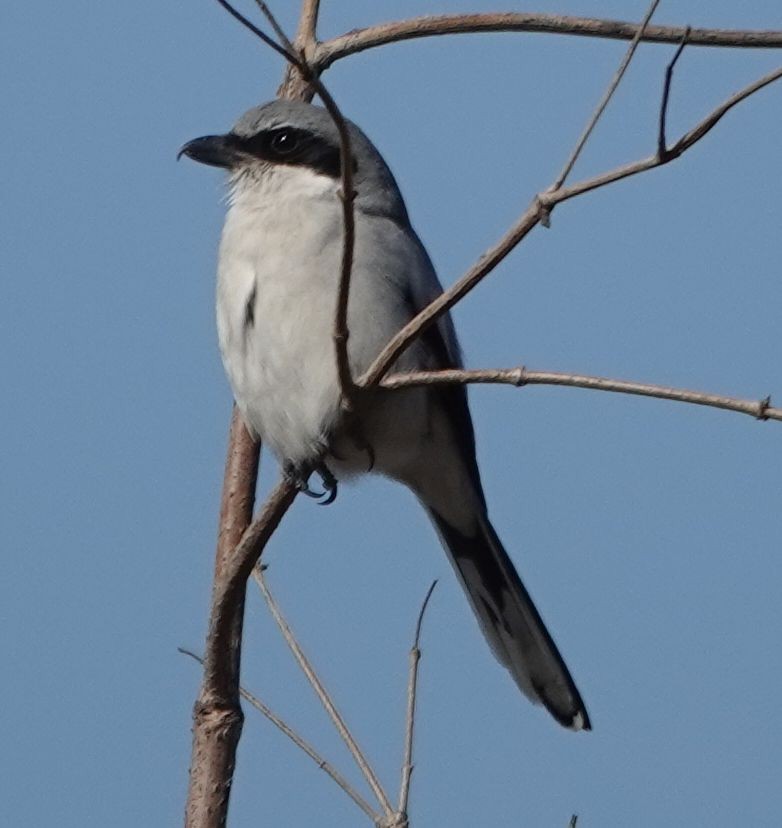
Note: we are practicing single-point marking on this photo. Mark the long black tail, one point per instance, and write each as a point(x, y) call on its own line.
point(511, 623)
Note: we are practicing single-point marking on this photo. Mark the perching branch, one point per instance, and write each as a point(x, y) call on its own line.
point(217, 716)
point(539, 212)
point(359, 40)
point(759, 409)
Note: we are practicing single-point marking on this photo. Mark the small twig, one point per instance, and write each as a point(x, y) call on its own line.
point(709, 122)
point(540, 207)
point(662, 142)
point(322, 763)
point(759, 409)
point(322, 694)
point(412, 685)
point(278, 30)
point(607, 95)
point(300, 742)
point(360, 40)
point(573, 821)
point(272, 44)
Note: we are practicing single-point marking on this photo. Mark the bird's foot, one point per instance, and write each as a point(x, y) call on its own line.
point(329, 484)
point(299, 475)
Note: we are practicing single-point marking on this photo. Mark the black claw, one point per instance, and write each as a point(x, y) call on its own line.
point(329, 484)
point(331, 497)
point(306, 490)
point(300, 480)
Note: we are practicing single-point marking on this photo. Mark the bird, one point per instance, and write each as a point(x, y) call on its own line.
point(279, 268)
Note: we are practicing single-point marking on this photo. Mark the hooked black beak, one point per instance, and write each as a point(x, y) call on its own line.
point(215, 150)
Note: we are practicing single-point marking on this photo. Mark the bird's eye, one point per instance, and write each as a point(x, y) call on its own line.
point(284, 142)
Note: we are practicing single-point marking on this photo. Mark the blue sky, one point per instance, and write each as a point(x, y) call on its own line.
point(648, 532)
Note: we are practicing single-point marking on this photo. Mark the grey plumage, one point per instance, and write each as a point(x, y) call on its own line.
point(277, 285)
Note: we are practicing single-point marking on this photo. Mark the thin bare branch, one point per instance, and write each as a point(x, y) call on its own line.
point(322, 763)
point(710, 121)
point(278, 30)
point(550, 198)
point(537, 212)
point(607, 95)
point(662, 141)
point(308, 24)
point(322, 694)
point(248, 24)
point(412, 694)
point(238, 495)
point(347, 196)
point(759, 409)
point(347, 193)
point(217, 715)
point(360, 40)
point(300, 742)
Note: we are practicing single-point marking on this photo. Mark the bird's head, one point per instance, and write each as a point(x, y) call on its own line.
point(292, 140)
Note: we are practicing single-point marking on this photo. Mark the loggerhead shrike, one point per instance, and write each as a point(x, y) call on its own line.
point(279, 268)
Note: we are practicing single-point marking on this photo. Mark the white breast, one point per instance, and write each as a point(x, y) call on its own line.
point(276, 294)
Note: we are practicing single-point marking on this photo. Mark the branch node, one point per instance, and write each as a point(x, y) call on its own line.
point(763, 407)
point(545, 207)
point(519, 376)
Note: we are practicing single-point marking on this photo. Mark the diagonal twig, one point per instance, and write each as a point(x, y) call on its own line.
point(290, 49)
point(247, 23)
point(520, 377)
point(360, 40)
point(322, 694)
point(412, 686)
point(607, 95)
point(538, 211)
point(300, 742)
